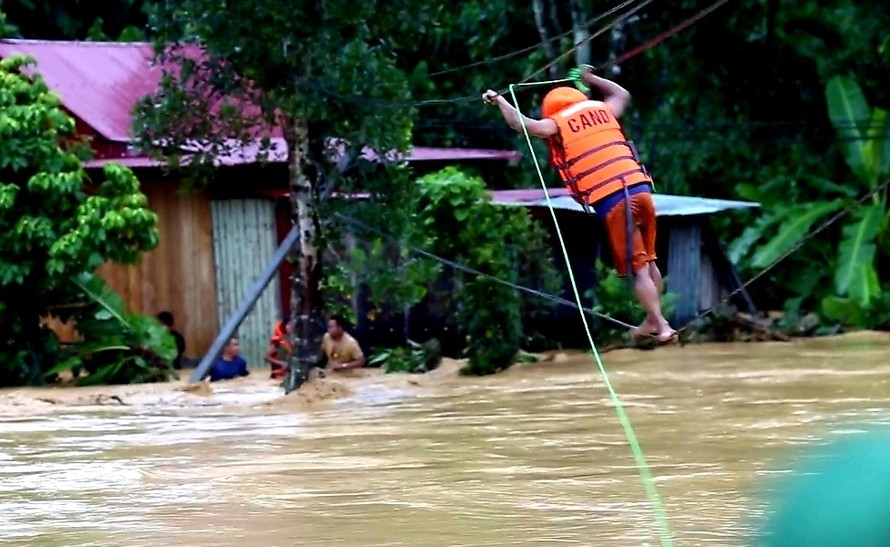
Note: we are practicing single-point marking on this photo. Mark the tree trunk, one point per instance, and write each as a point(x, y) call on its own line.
point(546, 43)
point(305, 297)
point(555, 20)
point(580, 33)
point(616, 43)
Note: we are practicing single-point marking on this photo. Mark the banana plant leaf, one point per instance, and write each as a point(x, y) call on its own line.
point(851, 117)
point(95, 287)
point(793, 230)
point(855, 274)
point(879, 144)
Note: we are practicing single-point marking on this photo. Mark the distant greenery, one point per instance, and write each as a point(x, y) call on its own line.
point(849, 292)
point(109, 20)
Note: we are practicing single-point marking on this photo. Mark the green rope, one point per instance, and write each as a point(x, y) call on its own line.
point(648, 483)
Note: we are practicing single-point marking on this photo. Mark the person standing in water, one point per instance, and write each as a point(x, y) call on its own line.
point(230, 364)
point(341, 350)
point(600, 168)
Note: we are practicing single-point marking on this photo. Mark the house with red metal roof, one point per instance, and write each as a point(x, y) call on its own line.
point(212, 243)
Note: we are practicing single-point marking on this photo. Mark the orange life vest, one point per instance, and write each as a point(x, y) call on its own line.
point(591, 153)
point(279, 337)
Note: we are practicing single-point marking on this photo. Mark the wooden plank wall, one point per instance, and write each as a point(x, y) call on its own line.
point(179, 274)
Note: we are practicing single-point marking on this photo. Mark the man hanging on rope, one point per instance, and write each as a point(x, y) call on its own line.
point(601, 169)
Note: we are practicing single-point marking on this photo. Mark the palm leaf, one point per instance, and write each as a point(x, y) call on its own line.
point(793, 230)
point(752, 234)
point(865, 285)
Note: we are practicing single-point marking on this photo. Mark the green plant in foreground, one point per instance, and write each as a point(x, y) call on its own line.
point(118, 348)
point(55, 223)
point(457, 220)
point(417, 358)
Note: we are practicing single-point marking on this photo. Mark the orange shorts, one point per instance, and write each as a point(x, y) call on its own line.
point(643, 210)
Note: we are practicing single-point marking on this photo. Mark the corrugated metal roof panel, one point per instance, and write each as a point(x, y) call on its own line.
point(100, 82)
point(243, 243)
point(241, 155)
point(279, 154)
point(665, 205)
point(421, 153)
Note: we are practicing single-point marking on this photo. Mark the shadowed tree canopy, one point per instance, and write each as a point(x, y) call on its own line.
point(122, 20)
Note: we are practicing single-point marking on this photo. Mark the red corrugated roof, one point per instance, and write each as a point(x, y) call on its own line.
point(99, 82)
point(512, 197)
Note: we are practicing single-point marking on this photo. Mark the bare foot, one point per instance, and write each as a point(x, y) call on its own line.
point(645, 329)
point(667, 335)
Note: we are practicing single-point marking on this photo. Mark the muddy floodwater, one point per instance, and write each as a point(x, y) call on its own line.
point(533, 456)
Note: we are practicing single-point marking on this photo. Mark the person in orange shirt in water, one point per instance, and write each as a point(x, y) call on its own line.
point(279, 348)
point(601, 169)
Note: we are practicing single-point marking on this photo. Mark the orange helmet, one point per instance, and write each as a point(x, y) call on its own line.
point(559, 98)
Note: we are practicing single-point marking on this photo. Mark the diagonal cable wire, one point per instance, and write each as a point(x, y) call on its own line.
point(381, 103)
point(473, 271)
point(525, 82)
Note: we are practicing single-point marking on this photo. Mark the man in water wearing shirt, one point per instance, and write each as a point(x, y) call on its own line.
point(230, 364)
point(340, 348)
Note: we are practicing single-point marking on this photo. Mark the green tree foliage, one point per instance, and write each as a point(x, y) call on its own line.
point(853, 245)
point(6, 30)
point(457, 221)
point(485, 35)
point(415, 358)
point(238, 69)
point(55, 223)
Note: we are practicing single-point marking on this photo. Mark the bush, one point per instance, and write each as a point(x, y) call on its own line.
point(54, 227)
point(417, 358)
point(117, 347)
point(456, 220)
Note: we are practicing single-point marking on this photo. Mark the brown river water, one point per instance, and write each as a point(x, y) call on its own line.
point(532, 456)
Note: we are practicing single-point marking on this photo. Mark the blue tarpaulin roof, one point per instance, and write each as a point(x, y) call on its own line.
point(665, 205)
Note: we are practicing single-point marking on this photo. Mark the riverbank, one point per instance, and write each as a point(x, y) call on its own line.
point(258, 391)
